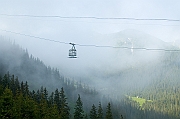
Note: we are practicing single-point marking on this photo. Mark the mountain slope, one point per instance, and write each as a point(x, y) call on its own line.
point(125, 60)
point(17, 61)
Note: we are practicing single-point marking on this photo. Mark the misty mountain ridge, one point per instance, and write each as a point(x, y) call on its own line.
point(18, 62)
point(121, 74)
point(130, 66)
point(116, 60)
point(138, 39)
point(128, 39)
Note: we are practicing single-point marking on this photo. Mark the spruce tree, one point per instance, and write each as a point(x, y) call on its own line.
point(64, 109)
point(93, 114)
point(17, 84)
point(29, 108)
point(54, 112)
point(108, 112)
point(100, 112)
point(45, 94)
point(6, 104)
point(12, 85)
point(43, 109)
point(57, 99)
point(22, 88)
point(26, 89)
point(6, 80)
point(18, 106)
point(51, 99)
point(79, 113)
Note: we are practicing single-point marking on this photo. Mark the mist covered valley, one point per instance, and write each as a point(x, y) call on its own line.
point(138, 65)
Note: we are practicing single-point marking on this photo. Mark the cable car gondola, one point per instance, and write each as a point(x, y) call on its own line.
point(72, 51)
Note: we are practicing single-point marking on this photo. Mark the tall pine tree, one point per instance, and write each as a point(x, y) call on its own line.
point(108, 112)
point(100, 112)
point(6, 104)
point(93, 114)
point(57, 99)
point(79, 113)
point(64, 108)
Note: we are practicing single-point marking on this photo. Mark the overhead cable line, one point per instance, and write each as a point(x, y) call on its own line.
point(91, 17)
point(99, 46)
point(33, 36)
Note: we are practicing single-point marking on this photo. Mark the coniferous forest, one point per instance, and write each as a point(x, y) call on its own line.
point(31, 101)
point(17, 102)
point(30, 89)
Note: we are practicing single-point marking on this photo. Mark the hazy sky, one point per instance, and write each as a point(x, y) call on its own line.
point(55, 27)
point(78, 30)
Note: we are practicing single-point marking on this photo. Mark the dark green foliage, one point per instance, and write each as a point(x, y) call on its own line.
point(108, 112)
point(29, 109)
point(6, 104)
point(93, 112)
point(57, 99)
point(64, 108)
point(79, 112)
point(51, 99)
point(26, 89)
point(6, 80)
point(45, 94)
point(30, 104)
point(43, 109)
point(12, 85)
point(32, 72)
point(26, 104)
point(22, 88)
point(54, 114)
point(163, 89)
point(17, 86)
point(100, 112)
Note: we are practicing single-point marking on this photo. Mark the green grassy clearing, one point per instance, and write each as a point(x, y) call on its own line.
point(139, 100)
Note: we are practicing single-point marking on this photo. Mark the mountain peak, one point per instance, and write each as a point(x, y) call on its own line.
point(138, 38)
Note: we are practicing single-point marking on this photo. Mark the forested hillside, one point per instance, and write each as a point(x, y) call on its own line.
point(161, 92)
point(27, 80)
point(164, 90)
point(18, 102)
